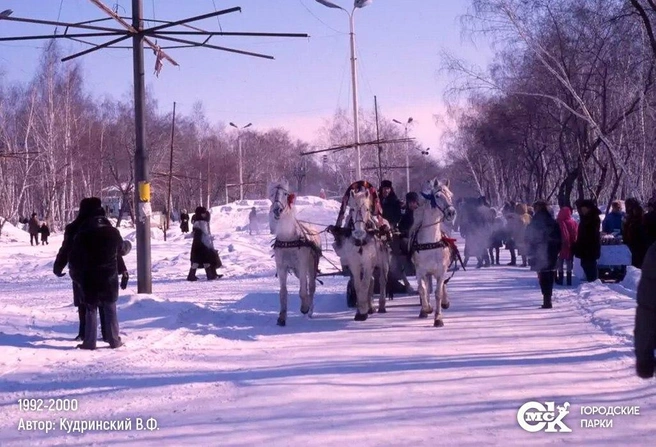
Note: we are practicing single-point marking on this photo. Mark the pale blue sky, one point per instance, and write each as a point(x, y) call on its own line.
point(398, 44)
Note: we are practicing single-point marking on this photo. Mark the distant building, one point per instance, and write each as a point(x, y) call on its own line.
point(112, 200)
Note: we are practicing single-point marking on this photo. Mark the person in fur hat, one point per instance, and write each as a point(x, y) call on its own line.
point(390, 203)
point(203, 253)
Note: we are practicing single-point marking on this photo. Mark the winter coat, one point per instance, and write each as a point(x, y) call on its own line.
point(70, 231)
point(202, 246)
point(645, 320)
point(497, 233)
point(95, 260)
point(543, 242)
point(45, 231)
point(33, 225)
point(406, 222)
point(391, 206)
point(568, 232)
point(517, 227)
point(634, 236)
point(588, 238)
point(612, 222)
point(650, 228)
point(184, 222)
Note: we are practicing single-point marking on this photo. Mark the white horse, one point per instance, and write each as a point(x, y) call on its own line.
point(364, 252)
point(430, 253)
point(297, 249)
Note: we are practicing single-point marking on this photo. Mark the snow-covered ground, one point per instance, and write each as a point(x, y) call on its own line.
point(208, 363)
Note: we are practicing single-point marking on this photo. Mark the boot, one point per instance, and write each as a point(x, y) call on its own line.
point(546, 280)
point(546, 302)
point(559, 278)
point(192, 275)
point(81, 312)
point(569, 278)
point(513, 258)
point(211, 273)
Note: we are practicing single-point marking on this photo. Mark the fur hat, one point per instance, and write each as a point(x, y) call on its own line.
point(89, 205)
point(386, 184)
point(411, 197)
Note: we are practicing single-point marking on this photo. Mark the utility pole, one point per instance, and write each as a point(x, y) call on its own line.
point(407, 151)
point(240, 159)
point(241, 170)
point(168, 200)
point(380, 147)
point(142, 185)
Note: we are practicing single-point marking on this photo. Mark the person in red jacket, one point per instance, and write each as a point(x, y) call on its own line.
point(568, 231)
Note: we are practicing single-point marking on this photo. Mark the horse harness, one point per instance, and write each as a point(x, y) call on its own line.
point(444, 242)
point(298, 243)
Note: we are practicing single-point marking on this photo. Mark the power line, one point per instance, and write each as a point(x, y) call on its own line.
point(217, 17)
point(316, 17)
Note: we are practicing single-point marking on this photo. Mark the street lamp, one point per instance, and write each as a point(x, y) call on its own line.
point(356, 130)
point(407, 152)
point(241, 168)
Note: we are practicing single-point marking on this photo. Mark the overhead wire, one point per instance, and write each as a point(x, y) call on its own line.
point(316, 17)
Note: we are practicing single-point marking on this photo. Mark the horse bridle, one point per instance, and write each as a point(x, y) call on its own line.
point(434, 204)
point(283, 203)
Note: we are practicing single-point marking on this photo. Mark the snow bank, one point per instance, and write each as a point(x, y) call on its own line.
point(11, 233)
point(632, 278)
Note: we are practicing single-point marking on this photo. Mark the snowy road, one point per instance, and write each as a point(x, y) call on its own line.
point(208, 363)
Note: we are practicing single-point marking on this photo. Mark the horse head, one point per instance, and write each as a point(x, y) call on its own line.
point(439, 196)
point(361, 204)
point(281, 199)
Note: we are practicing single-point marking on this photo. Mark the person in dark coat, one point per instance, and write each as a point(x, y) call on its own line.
point(613, 221)
point(184, 221)
point(88, 206)
point(95, 264)
point(645, 319)
point(407, 219)
point(203, 253)
point(588, 240)
point(33, 227)
point(543, 242)
point(650, 223)
point(45, 233)
point(252, 221)
point(633, 232)
point(390, 203)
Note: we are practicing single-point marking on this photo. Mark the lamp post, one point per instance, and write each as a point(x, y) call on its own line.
point(241, 167)
point(354, 77)
point(407, 152)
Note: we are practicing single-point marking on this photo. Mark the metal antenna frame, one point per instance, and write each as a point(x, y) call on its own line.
point(140, 36)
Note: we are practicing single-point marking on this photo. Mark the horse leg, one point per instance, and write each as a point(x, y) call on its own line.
point(383, 273)
point(361, 293)
point(312, 282)
point(439, 296)
point(368, 285)
point(303, 272)
point(282, 277)
point(422, 289)
point(445, 297)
